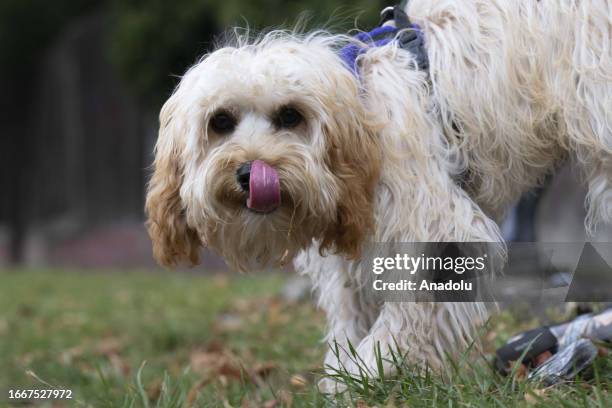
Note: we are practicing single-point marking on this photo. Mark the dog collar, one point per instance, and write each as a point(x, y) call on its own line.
point(394, 25)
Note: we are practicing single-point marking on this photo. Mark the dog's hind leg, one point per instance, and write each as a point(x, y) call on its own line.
point(590, 130)
point(589, 126)
point(586, 92)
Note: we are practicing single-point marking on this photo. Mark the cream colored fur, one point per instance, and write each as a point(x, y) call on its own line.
point(513, 89)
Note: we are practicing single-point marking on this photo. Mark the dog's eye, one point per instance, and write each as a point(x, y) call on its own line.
point(223, 122)
point(288, 117)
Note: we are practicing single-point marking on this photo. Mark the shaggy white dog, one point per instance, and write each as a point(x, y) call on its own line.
point(274, 150)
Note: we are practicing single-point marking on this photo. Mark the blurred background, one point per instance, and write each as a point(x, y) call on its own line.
point(82, 84)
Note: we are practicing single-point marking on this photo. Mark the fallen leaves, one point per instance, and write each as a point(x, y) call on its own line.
point(245, 353)
point(298, 381)
point(109, 347)
point(214, 363)
point(217, 363)
point(270, 310)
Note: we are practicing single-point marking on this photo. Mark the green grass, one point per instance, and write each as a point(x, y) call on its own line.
point(139, 339)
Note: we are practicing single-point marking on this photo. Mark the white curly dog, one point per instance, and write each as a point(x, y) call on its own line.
point(274, 149)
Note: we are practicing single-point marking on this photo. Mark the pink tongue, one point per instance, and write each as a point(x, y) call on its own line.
point(264, 188)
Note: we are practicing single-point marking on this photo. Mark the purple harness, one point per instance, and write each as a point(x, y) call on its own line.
point(408, 35)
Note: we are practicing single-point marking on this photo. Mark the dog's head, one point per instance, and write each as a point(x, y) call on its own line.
point(262, 149)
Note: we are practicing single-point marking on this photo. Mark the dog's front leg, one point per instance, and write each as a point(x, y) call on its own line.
point(421, 333)
point(348, 319)
point(350, 313)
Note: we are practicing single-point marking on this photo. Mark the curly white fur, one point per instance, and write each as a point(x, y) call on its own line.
point(513, 89)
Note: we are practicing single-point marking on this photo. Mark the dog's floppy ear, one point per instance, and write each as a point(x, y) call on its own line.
point(353, 155)
point(174, 242)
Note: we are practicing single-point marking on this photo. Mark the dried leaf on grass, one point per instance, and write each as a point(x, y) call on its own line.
point(534, 397)
point(214, 364)
point(277, 313)
point(109, 347)
point(119, 364)
point(218, 363)
point(193, 392)
point(154, 389)
point(264, 369)
point(286, 398)
point(298, 381)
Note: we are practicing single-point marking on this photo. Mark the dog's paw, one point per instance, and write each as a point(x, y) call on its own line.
point(330, 386)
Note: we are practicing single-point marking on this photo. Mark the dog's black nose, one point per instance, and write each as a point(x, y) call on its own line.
point(243, 176)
